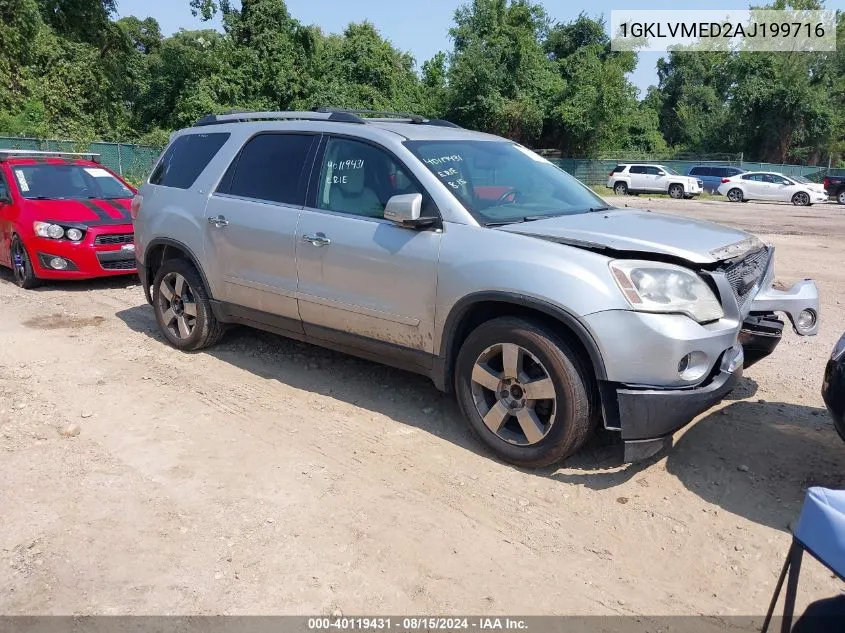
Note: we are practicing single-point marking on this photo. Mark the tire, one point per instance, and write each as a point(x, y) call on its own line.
point(185, 328)
point(676, 191)
point(801, 199)
point(22, 270)
point(620, 189)
point(735, 195)
point(840, 197)
point(557, 426)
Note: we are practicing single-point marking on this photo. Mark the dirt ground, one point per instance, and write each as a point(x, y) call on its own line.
point(267, 476)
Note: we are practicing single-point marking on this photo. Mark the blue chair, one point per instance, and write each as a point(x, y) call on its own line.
point(820, 532)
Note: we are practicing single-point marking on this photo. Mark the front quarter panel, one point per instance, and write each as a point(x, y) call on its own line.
point(483, 260)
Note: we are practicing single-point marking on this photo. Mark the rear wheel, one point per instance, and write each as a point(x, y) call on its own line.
point(801, 199)
point(22, 265)
point(525, 394)
point(620, 189)
point(676, 191)
point(182, 307)
point(735, 195)
point(841, 197)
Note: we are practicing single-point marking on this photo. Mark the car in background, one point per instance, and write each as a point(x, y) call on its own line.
point(764, 185)
point(834, 185)
point(625, 179)
point(63, 217)
point(833, 386)
point(711, 175)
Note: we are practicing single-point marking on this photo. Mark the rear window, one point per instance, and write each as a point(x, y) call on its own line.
point(186, 158)
point(270, 168)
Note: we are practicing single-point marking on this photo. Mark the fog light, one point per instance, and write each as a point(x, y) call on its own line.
point(693, 366)
point(58, 263)
point(806, 320)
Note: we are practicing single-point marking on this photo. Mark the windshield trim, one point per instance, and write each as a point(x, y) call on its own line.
point(34, 194)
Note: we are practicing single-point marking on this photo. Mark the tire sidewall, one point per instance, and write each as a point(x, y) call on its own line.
point(801, 199)
point(29, 280)
point(737, 199)
point(675, 188)
point(841, 197)
point(569, 386)
point(620, 189)
point(203, 308)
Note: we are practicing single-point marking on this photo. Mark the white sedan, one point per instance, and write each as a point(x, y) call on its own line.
point(759, 185)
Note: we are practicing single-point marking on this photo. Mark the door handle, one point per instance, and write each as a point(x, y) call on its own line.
point(218, 222)
point(319, 239)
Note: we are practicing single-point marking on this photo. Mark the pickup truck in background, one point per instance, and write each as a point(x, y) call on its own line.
point(834, 185)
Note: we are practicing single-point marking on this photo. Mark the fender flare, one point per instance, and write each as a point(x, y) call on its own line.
point(462, 306)
point(166, 241)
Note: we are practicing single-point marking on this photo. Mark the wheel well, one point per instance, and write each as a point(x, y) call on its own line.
point(162, 252)
point(483, 311)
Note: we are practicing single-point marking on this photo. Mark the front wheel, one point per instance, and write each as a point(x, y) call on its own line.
point(676, 191)
point(735, 195)
point(841, 197)
point(801, 199)
point(525, 394)
point(620, 189)
point(22, 265)
point(182, 307)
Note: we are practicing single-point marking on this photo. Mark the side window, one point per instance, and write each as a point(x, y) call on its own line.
point(637, 169)
point(652, 171)
point(732, 172)
point(5, 194)
point(768, 178)
point(185, 159)
point(754, 177)
point(269, 167)
point(358, 179)
point(698, 171)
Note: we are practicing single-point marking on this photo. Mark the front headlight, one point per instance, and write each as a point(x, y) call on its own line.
point(839, 349)
point(657, 287)
point(45, 229)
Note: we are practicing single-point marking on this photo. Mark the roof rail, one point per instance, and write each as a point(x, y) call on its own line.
point(31, 153)
point(413, 118)
point(238, 117)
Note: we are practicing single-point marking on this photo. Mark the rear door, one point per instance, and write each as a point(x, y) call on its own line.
point(639, 180)
point(359, 274)
point(251, 226)
point(752, 185)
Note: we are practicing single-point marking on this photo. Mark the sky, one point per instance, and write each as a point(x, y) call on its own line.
point(421, 28)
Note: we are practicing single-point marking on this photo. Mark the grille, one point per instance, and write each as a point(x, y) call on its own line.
point(119, 264)
point(116, 238)
point(744, 276)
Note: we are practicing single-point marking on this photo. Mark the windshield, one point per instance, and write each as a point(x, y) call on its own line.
point(501, 182)
point(61, 182)
point(669, 171)
point(801, 179)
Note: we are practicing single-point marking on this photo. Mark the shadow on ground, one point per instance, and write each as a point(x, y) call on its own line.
point(754, 459)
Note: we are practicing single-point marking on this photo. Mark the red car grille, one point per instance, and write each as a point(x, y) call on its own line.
point(115, 238)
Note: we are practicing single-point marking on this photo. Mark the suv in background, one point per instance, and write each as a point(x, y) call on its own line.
point(711, 175)
point(464, 257)
point(625, 179)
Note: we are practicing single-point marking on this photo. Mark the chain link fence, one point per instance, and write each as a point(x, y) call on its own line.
point(132, 162)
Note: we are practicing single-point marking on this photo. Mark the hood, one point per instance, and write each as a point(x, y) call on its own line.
point(87, 212)
point(636, 230)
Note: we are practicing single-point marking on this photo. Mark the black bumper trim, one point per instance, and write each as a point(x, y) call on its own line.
point(759, 336)
point(647, 414)
point(44, 260)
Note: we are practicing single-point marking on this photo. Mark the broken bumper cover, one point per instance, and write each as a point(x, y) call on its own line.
point(649, 417)
point(800, 303)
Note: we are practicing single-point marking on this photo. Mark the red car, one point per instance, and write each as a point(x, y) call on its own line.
point(62, 217)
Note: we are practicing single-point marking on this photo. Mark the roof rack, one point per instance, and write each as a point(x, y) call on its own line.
point(389, 116)
point(239, 117)
point(31, 153)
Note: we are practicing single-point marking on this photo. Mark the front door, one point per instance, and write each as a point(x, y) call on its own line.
point(363, 278)
point(6, 220)
point(251, 226)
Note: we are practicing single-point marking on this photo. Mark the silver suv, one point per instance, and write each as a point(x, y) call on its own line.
point(464, 257)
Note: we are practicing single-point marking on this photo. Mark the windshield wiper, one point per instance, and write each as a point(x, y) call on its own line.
point(44, 198)
point(527, 218)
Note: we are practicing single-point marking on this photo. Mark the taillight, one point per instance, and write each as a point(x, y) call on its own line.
point(726, 179)
point(826, 182)
point(135, 207)
point(611, 173)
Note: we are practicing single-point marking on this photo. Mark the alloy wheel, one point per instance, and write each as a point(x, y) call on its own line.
point(735, 195)
point(514, 394)
point(841, 197)
point(801, 199)
point(177, 305)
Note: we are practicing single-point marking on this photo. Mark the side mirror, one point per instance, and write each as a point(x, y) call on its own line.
point(405, 210)
point(661, 173)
